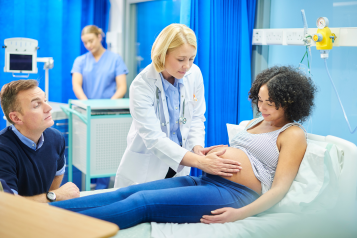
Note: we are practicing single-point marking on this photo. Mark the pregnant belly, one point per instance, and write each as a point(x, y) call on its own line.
point(246, 176)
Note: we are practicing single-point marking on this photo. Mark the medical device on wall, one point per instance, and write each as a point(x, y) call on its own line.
point(324, 38)
point(20, 55)
point(21, 58)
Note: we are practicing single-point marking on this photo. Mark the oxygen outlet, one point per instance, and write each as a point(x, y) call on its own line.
point(318, 37)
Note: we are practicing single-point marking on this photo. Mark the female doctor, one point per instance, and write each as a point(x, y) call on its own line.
point(98, 74)
point(167, 105)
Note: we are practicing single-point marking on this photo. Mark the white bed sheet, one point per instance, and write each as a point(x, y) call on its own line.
point(264, 225)
point(341, 222)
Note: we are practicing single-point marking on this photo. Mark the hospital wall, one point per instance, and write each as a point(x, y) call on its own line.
point(327, 118)
point(57, 26)
point(167, 11)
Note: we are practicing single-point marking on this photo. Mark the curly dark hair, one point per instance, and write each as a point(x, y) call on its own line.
point(288, 88)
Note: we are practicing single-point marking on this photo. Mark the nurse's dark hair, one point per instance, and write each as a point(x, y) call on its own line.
point(8, 95)
point(92, 29)
point(288, 88)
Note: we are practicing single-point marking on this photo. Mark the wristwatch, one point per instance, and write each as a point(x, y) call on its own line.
point(51, 196)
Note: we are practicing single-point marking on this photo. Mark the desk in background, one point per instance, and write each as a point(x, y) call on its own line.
point(97, 136)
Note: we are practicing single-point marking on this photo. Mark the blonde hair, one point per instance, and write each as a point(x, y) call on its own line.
point(170, 38)
point(92, 29)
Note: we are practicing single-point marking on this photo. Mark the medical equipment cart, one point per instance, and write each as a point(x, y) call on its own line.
point(97, 136)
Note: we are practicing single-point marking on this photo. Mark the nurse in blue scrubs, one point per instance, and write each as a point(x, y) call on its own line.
point(98, 74)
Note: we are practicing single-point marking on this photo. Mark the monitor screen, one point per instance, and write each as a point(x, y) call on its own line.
point(21, 62)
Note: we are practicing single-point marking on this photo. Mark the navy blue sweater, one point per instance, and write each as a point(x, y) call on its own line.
point(27, 171)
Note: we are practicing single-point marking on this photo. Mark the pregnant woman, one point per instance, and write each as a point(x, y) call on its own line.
point(270, 150)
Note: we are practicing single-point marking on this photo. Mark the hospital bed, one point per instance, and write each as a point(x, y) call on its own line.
point(334, 217)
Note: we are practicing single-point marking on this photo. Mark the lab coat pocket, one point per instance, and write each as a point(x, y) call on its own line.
point(136, 166)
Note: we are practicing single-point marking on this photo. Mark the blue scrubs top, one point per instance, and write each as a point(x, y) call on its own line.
point(99, 77)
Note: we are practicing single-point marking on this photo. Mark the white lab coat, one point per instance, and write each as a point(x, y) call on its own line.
point(150, 152)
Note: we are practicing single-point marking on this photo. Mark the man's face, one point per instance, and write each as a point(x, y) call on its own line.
point(35, 113)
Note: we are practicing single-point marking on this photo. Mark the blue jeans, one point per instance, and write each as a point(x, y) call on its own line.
point(178, 200)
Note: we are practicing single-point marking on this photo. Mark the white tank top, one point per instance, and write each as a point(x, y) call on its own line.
point(262, 151)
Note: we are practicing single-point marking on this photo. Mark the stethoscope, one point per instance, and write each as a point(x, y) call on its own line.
point(182, 118)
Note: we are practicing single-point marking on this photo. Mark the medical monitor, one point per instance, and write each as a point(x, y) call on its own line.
point(20, 55)
point(20, 62)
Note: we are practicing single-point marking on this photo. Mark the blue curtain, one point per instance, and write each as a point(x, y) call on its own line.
point(148, 27)
point(57, 26)
point(224, 33)
point(95, 12)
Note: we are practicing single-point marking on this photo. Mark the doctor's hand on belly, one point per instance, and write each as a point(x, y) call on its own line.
point(199, 150)
point(212, 163)
point(246, 176)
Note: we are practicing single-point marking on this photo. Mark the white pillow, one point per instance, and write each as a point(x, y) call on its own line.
point(328, 195)
point(316, 184)
point(233, 130)
point(315, 187)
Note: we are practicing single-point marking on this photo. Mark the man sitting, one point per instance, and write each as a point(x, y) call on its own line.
point(32, 160)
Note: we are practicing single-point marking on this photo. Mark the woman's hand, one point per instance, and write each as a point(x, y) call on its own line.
point(223, 215)
point(199, 150)
point(215, 165)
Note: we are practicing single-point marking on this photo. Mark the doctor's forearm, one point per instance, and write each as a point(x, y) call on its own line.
point(191, 160)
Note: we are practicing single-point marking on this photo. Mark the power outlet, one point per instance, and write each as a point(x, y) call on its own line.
point(295, 37)
point(274, 37)
point(258, 36)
